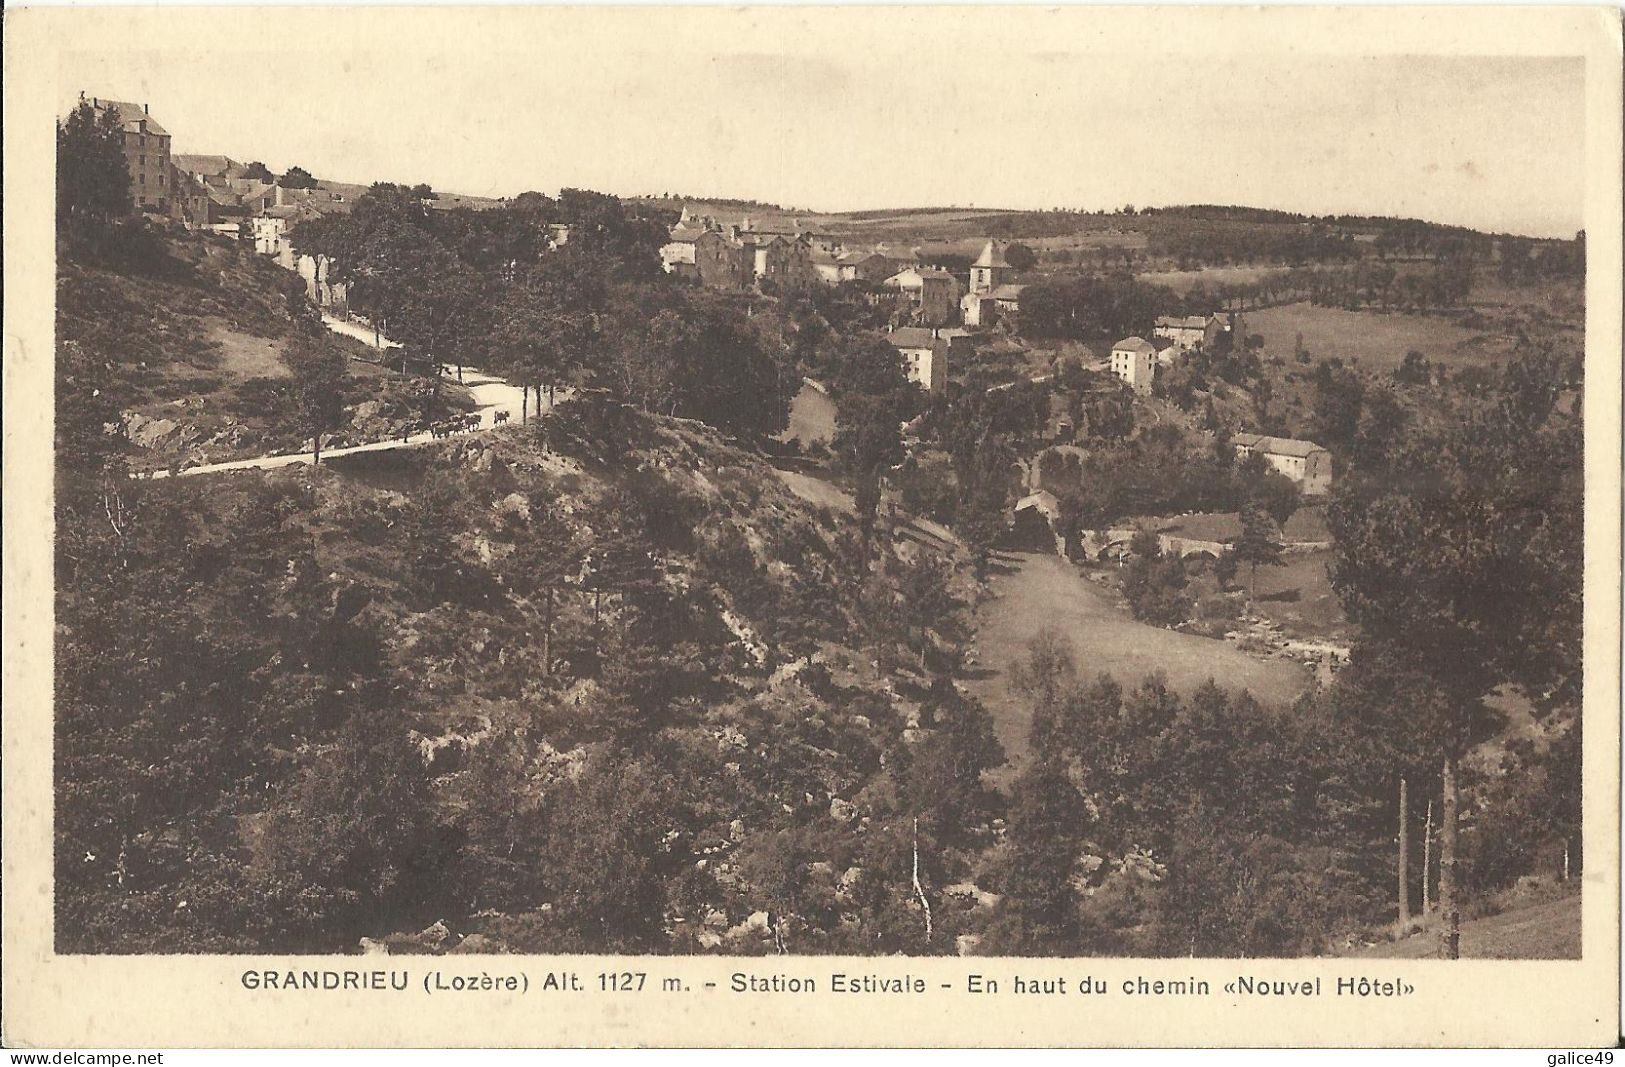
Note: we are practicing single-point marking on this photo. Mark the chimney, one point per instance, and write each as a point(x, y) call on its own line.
point(146, 109)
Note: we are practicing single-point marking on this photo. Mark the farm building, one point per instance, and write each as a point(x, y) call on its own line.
point(1190, 331)
point(1305, 462)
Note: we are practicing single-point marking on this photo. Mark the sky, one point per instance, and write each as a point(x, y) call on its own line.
point(794, 111)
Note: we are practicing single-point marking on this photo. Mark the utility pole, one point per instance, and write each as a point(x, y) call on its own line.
point(1404, 862)
point(1427, 863)
point(1449, 888)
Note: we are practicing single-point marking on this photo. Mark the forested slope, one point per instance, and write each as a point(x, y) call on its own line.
point(588, 684)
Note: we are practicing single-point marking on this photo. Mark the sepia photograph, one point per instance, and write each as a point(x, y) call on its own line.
point(699, 490)
point(471, 538)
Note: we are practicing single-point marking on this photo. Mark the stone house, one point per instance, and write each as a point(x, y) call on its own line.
point(1134, 361)
point(863, 267)
point(1007, 301)
point(146, 156)
point(709, 257)
point(934, 293)
point(785, 261)
point(925, 353)
point(1306, 463)
point(1190, 331)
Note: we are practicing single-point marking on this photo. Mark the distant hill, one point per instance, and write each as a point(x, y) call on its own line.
point(1180, 237)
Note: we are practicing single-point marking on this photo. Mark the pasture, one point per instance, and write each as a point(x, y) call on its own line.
point(1182, 281)
point(1548, 930)
point(1038, 591)
point(1378, 340)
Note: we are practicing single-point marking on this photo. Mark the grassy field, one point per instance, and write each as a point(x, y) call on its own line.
point(1040, 591)
point(1546, 931)
point(1298, 596)
point(1182, 280)
point(1378, 340)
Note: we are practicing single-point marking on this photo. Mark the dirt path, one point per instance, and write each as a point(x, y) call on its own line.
point(1033, 591)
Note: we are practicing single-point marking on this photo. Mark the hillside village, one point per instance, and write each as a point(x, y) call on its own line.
point(782, 576)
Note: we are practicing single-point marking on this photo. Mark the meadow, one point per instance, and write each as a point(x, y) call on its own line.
point(1378, 340)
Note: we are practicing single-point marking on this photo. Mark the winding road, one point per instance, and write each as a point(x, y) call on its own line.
point(491, 395)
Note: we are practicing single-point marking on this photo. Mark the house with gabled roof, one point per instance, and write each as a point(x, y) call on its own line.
point(708, 256)
point(925, 354)
point(1134, 361)
point(1304, 462)
point(934, 293)
point(863, 266)
point(1190, 331)
point(826, 265)
point(785, 261)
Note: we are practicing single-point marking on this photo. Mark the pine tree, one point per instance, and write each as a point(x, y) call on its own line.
point(319, 376)
point(1039, 910)
point(92, 179)
point(1257, 546)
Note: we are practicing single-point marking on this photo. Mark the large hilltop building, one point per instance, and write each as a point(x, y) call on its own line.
point(739, 255)
point(146, 155)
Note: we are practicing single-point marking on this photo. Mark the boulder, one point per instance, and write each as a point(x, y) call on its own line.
point(476, 944)
point(842, 810)
point(147, 432)
point(755, 925)
point(436, 935)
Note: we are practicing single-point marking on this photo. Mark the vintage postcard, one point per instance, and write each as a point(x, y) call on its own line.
point(835, 526)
